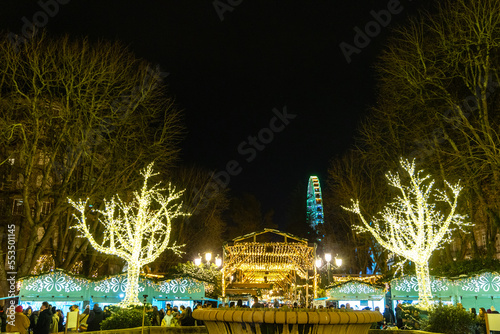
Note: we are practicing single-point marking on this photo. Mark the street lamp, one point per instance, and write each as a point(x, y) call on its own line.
point(328, 259)
point(208, 258)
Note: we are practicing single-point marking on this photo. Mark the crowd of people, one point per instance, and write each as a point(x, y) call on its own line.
point(48, 319)
point(172, 316)
point(51, 320)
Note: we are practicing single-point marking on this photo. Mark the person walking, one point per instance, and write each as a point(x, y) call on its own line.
point(95, 318)
point(21, 322)
point(44, 320)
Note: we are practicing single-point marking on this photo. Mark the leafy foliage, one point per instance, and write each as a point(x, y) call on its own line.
point(450, 319)
point(466, 267)
point(207, 273)
point(412, 316)
point(77, 118)
point(203, 272)
point(125, 318)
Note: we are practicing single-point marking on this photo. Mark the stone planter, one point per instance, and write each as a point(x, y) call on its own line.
point(270, 321)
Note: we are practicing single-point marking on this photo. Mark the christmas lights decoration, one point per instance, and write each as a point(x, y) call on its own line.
point(182, 285)
point(412, 226)
point(355, 289)
point(410, 283)
point(54, 281)
point(482, 283)
point(43, 264)
point(277, 263)
point(135, 231)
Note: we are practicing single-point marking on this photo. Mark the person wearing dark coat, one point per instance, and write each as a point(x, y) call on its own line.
point(60, 326)
point(399, 316)
point(388, 316)
point(33, 320)
point(95, 318)
point(188, 319)
point(44, 320)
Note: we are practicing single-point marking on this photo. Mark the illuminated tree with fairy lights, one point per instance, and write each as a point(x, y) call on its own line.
point(138, 231)
point(412, 226)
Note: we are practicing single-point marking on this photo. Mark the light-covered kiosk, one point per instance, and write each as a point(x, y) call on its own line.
point(58, 288)
point(358, 294)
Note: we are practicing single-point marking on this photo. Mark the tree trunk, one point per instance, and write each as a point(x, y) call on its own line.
point(131, 298)
point(424, 285)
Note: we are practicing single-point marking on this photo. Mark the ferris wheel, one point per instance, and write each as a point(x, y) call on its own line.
point(314, 203)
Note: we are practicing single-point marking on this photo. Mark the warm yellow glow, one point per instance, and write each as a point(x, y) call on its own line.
point(328, 257)
point(338, 262)
point(134, 231)
point(411, 226)
point(276, 263)
point(208, 257)
point(319, 263)
point(218, 261)
point(197, 261)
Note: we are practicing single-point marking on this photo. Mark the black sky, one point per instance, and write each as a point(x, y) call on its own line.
point(228, 75)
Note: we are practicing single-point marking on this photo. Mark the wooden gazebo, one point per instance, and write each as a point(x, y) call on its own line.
point(268, 259)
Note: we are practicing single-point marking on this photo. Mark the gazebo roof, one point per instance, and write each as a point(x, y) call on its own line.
point(266, 259)
point(272, 231)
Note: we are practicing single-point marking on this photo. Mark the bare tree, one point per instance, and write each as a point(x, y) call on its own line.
point(413, 226)
point(353, 176)
point(202, 231)
point(76, 119)
point(438, 101)
point(134, 231)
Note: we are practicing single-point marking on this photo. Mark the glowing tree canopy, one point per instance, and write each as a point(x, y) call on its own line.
point(411, 226)
point(135, 231)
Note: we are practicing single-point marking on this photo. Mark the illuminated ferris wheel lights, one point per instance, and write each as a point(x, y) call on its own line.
point(314, 202)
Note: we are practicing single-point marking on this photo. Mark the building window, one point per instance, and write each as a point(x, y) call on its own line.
point(46, 208)
point(17, 208)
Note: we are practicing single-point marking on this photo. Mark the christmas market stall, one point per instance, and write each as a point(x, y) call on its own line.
point(405, 290)
point(480, 290)
point(56, 287)
point(63, 290)
point(177, 292)
point(267, 264)
point(111, 290)
point(358, 294)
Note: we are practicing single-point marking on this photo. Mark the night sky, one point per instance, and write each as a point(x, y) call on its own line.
point(229, 75)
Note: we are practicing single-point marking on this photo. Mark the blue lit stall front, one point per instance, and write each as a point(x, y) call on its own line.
point(55, 287)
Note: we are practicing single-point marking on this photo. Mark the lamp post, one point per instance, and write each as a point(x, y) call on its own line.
point(328, 259)
point(208, 258)
point(144, 312)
